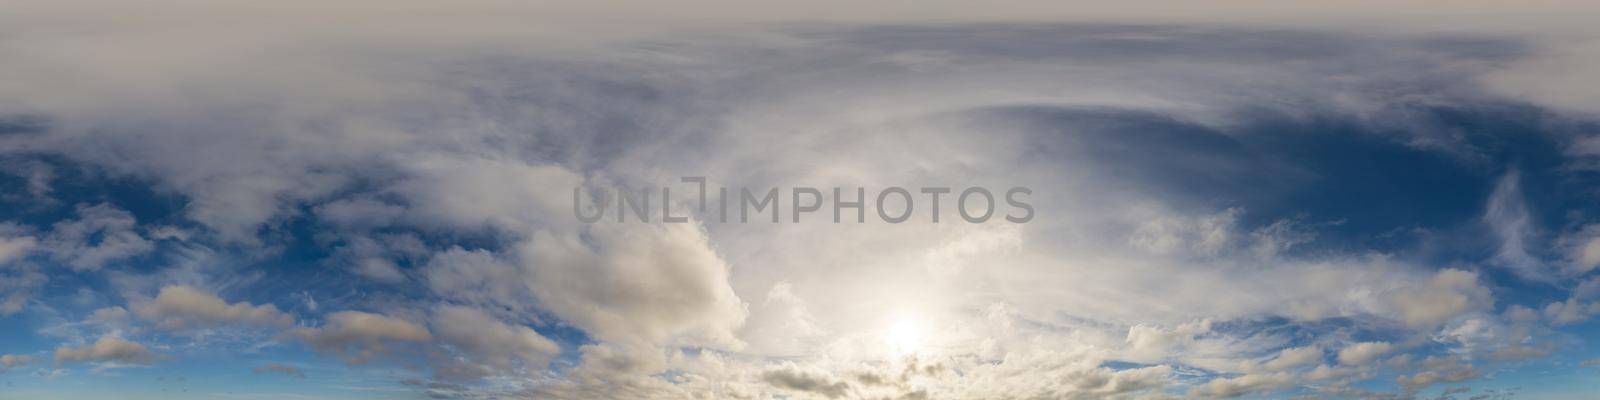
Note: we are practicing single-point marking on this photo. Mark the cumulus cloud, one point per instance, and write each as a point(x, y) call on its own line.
point(15, 247)
point(638, 283)
point(493, 345)
point(180, 307)
point(1436, 370)
point(1239, 386)
point(109, 348)
point(478, 277)
point(1449, 293)
point(1364, 353)
point(9, 361)
point(1295, 357)
point(359, 337)
point(813, 382)
point(1571, 311)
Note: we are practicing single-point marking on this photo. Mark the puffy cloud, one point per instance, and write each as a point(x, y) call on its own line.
point(473, 192)
point(809, 381)
point(1449, 293)
point(1570, 311)
point(781, 324)
point(1363, 353)
point(379, 269)
point(1294, 357)
point(8, 361)
point(494, 345)
point(477, 277)
point(1149, 343)
point(13, 248)
point(109, 348)
point(180, 307)
point(275, 368)
point(1328, 372)
point(1241, 385)
point(360, 337)
point(114, 317)
point(637, 283)
point(1582, 249)
point(1438, 370)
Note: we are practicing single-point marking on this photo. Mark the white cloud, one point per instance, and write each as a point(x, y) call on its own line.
point(181, 307)
point(1571, 311)
point(102, 234)
point(478, 277)
point(360, 337)
point(812, 382)
point(1449, 293)
point(1239, 386)
point(485, 340)
point(1364, 353)
point(13, 248)
point(1438, 370)
point(109, 348)
point(1295, 357)
point(1507, 215)
point(380, 270)
point(637, 283)
point(9, 361)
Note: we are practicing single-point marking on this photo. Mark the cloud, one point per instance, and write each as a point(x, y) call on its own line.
point(1507, 215)
point(637, 283)
point(180, 307)
point(494, 345)
point(815, 382)
point(1570, 311)
point(1294, 357)
point(477, 277)
point(1239, 386)
point(13, 248)
point(1582, 249)
point(1168, 163)
point(102, 234)
point(9, 361)
point(1438, 370)
point(375, 256)
point(16, 288)
point(1364, 353)
point(109, 348)
point(1449, 293)
point(275, 368)
point(359, 337)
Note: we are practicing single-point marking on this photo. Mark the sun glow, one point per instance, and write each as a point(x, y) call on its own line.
point(905, 336)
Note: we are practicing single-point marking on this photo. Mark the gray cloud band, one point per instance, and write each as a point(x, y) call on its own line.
point(894, 204)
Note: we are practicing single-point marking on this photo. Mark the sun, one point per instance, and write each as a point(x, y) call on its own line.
point(905, 337)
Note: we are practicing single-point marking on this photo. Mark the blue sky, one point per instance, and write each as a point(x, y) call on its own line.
point(294, 205)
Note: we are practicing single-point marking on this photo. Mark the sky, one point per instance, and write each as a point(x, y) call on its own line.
point(381, 200)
